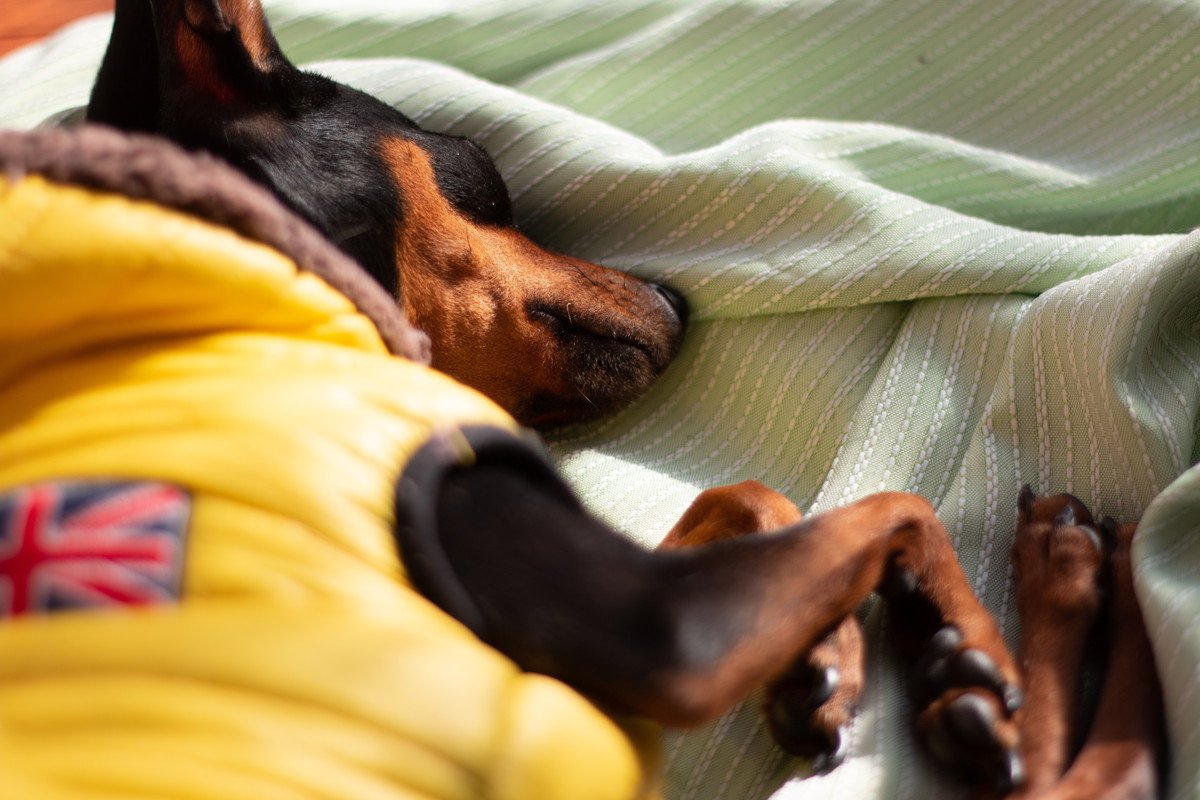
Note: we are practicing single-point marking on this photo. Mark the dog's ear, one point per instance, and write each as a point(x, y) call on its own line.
point(125, 95)
point(206, 16)
point(233, 30)
point(217, 51)
point(173, 59)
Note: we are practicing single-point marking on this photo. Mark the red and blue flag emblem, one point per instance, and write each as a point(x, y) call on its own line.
point(75, 545)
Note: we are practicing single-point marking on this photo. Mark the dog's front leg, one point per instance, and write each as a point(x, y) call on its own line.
point(810, 707)
point(681, 635)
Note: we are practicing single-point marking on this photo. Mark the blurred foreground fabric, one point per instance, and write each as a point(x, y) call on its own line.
point(938, 247)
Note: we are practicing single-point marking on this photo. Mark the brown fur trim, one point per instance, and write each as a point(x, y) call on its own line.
point(149, 168)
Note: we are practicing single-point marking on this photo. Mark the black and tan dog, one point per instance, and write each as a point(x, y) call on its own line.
point(678, 635)
point(190, 364)
point(549, 337)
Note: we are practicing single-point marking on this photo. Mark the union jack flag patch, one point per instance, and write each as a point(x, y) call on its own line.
point(70, 545)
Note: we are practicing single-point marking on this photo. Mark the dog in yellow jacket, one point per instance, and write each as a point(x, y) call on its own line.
point(186, 413)
point(251, 546)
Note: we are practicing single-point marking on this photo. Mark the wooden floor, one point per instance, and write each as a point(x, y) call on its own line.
point(25, 21)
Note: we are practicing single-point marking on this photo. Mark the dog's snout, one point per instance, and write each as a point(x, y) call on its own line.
point(674, 300)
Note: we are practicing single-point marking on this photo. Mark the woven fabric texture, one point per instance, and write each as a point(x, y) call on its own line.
point(939, 247)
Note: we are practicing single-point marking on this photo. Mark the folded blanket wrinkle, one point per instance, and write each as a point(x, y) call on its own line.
point(944, 248)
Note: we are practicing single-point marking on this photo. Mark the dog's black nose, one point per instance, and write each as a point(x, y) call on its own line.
point(675, 300)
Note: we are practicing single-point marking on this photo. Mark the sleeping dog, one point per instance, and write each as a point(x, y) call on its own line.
point(549, 337)
point(682, 634)
point(213, 428)
point(497, 541)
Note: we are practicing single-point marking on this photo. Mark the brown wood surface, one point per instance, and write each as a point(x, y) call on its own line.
point(25, 21)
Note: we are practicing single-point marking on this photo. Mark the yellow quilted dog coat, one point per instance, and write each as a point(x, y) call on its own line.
point(180, 382)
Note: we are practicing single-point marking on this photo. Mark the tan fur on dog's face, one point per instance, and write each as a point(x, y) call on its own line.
point(547, 336)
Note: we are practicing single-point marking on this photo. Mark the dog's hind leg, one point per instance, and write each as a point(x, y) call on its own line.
point(810, 707)
point(1124, 755)
point(681, 635)
point(1057, 558)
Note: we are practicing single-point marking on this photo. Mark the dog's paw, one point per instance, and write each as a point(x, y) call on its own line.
point(949, 664)
point(810, 707)
point(805, 719)
point(967, 707)
point(1057, 558)
point(973, 733)
point(964, 683)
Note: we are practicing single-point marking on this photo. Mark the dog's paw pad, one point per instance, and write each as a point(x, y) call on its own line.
point(971, 733)
point(1057, 557)
point(931, 675)
point(968, 706)
point(808, 713)
point(809, 707)
point(976, 668)
point(946, 665)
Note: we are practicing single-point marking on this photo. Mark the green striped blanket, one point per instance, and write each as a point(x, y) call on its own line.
point(933, 246)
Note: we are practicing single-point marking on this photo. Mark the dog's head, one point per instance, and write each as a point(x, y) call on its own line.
point(549, 337)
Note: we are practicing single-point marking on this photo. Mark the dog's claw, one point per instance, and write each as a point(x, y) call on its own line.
point(1025, 501)
point(1093, 537)
point(1013, 698)
point(1012, 774)
point(831, 758)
